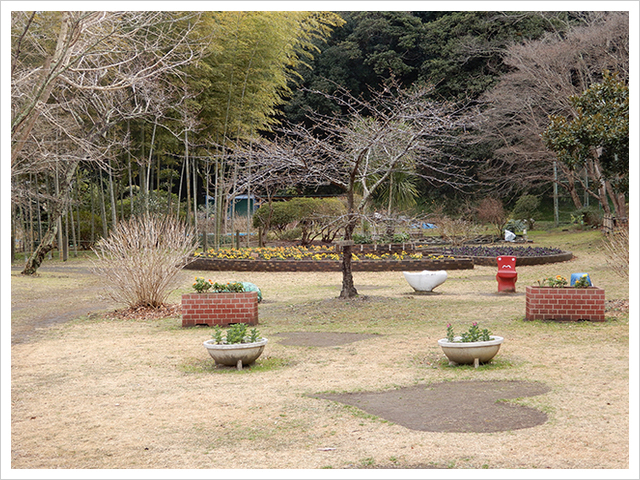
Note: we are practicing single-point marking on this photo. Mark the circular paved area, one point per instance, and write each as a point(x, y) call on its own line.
point(467, 406)
point(463, 407)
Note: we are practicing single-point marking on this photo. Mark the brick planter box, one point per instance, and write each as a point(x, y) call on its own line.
point(565, 303)
point(219, 308)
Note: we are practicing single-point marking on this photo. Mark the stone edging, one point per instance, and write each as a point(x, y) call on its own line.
point(224, 265)
point(522, 261)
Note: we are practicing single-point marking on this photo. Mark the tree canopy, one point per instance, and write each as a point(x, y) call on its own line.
point(597, 135)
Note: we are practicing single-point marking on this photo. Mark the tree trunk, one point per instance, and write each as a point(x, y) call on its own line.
point(93, 212)
point(46, 243)
point(180, 190)
point(205, 224)
point(59, 219)
point(65, 236)
point(618, 200)
point(45, 246)
point(148, 179)
point(31, 239)
point(13, 233)
point(195, 193)
point(187, 176)
point(38, 209)
point(602, 187)
point(129, 171)
point(74, 239)
point(169, 191)
point(570, 186)
point(218, 206)
point(112, 196)
point(103, 210)
point(348, 289)
point(77, 198)
point(25, 121)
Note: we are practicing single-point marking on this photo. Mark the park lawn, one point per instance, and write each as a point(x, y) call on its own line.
point(98, 392)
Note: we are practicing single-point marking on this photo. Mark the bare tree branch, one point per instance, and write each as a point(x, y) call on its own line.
point(358, 148)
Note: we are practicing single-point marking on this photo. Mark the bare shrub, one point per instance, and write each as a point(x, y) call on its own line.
point(457, 231)
point(491, 211)
point(616, 245)
point(141, 258)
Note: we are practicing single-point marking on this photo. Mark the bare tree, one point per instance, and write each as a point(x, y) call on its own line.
point(545, 73)
point(359, 148)
point(70, 73)
point(491, 211)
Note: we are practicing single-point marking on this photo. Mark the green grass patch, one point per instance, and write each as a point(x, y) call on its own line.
point(208, 366)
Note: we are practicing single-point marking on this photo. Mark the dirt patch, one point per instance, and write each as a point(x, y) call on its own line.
point(146, 313)
point(321, 339)
point(464, 407)
point(53, 296)
point(616, 308)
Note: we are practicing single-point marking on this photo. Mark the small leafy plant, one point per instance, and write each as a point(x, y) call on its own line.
point(237, 333)
point(201, 285)
point(582, 282)
point(557, 281)
point(233, 287)
point(474, 334)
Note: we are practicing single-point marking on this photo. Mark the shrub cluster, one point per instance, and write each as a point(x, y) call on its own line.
point(304, 218)
point(141, 259)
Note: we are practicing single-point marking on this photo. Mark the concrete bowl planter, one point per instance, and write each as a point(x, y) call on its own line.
point(470, 352)
point(426, 280)
point(235, 354)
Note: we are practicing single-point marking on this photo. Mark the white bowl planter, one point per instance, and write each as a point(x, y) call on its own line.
point(470, 352)
point(426, 280)
point(235, 354)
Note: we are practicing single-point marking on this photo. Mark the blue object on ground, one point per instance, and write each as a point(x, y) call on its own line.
point(576, 276)
point(252, 287)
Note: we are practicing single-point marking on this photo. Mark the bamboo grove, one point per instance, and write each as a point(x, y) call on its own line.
point(120, 113)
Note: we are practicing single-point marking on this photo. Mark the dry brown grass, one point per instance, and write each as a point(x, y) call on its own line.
point(110, 393)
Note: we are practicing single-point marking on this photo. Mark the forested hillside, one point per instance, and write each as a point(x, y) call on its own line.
point(120, 113)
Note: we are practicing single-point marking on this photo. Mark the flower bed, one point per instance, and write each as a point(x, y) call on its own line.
point(320, 259)
point(564, 303)
point(486, 256)
point(369, 258)
point(315, 253)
